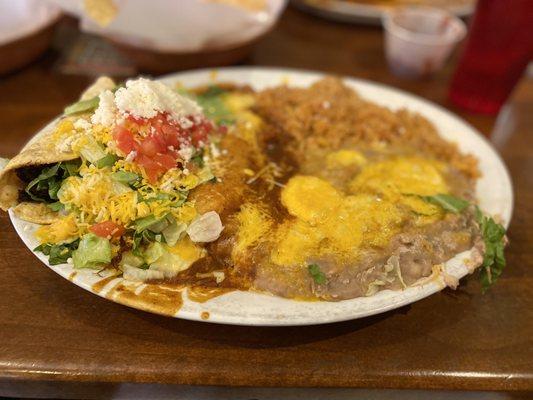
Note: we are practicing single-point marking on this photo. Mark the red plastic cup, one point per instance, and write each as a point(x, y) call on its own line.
point(498, 49)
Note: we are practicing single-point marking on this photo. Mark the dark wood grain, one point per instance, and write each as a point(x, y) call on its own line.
point(53, 330)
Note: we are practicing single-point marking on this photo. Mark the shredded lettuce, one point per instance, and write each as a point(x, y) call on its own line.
point(214, 107)
point(153, 252)
point(45, 186)
point(205, 175)
point(92, 151)
point(107, 161)
point(82, 106)
point(93, 252)
point(120, 188)
point(131, 260)
point(86, 105)
point(152, 223)
point(125, 177)
point(58, 253)
point(173, 232)
point(160, 259)
point(57, 206)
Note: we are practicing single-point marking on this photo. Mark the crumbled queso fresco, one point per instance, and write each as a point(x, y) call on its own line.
point(142, 98)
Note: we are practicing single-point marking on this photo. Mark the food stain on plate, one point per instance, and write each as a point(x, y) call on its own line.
point(201, 294)
point(102, 283)
point(160, 299)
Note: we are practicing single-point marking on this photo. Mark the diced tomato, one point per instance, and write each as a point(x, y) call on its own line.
point(170, 130)
point(152, 145)
point(161, 142)
point(158, 152)
point(173, 140)
point(107, 229)
point(165, 160)
point(153, 169)
point(199, 133)
point(125, 140)
point(156, 123)
point(136, 120)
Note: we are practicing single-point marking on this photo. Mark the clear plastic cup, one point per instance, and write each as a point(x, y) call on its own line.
point(418, 40)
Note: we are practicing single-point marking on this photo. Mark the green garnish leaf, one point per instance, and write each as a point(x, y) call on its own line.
point(447, 202)
point(494, 259)
point(493, 235)
point(107, 161)
point(316, 273)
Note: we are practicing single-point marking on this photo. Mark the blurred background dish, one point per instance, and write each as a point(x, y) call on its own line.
point(26, 28)
point(371, 11)
point(174, 35)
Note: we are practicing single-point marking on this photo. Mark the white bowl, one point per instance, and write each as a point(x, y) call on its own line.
point(181, 26)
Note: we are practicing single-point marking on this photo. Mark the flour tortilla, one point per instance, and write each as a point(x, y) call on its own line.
point(41, 151)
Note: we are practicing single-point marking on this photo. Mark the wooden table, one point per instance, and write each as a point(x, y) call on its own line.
point(51, 330)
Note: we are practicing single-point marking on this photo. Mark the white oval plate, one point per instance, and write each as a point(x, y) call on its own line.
point(494, 192)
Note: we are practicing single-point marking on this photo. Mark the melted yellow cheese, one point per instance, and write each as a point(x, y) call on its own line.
point(401, 180)
point(383, 196)
point(186, 213)
point(62, 230)
point(247, 123)
point(330, 223)
point(296, 241)
point(254, 225)
point(310, 198)
point(401, 175)
point(344, 158)
point(187, 250)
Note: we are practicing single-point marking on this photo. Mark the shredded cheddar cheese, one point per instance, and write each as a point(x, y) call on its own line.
point(254, 225)
point(62, 230)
